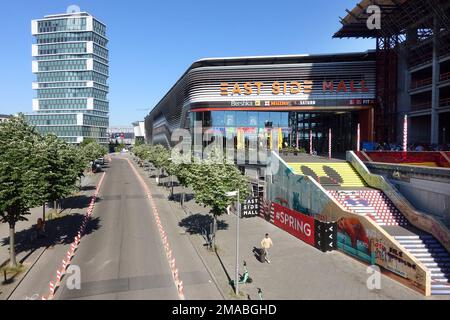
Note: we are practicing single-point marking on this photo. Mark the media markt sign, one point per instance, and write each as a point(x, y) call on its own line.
point(250, 208)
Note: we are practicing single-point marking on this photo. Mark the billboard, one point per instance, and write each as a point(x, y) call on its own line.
point(299, 225)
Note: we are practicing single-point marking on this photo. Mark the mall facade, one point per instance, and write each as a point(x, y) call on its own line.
point(297, 95)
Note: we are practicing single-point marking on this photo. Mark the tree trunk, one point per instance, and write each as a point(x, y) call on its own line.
point(12, 246)
point(43, 212)
point(214, 233)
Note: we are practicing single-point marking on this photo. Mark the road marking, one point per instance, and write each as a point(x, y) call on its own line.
point(170, 259)
point(53, 285)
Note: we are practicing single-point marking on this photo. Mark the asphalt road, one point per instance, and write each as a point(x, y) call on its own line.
point(123, 257)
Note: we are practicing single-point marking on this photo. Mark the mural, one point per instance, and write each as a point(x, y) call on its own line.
point(354, 240)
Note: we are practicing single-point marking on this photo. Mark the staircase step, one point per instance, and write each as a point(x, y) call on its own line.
point(420, 245)
point(414, 237)
point(440, 292)
point(440, 286)
point(418, 241)
point(441, 260)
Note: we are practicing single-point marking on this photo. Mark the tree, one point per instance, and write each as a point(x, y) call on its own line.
point(92, 151)
point(17, 176)
point(87, 141)
point(56, 169)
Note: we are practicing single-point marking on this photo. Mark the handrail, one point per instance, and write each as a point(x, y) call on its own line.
point(401, 157)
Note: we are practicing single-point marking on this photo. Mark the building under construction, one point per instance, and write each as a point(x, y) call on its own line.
point(413, 66)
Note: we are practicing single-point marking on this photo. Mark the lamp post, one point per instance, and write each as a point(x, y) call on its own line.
point(171, 181)
point(238, 216)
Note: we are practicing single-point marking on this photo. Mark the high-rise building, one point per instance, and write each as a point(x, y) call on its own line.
point(70, 60)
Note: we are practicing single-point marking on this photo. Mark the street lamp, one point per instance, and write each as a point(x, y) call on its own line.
point(171, 181)
point(238, 216)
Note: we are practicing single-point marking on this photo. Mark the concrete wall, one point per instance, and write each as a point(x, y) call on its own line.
point(427, 189)
point(428, 196)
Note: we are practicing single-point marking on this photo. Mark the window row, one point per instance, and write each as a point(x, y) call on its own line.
point(99, 28)
point(241, 119)
point(71, 93)
point(72, 24)
point(101, 67)
point(64, 57)
point(70, 37)
point(74, 131)
point(95, 121)
point(62, 48)
point(62, 65)
point(58, 119)
point(71, 76)
point(102, 52)
point(62, 85)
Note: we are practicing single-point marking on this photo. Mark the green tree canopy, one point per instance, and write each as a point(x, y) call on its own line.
point(17, 175)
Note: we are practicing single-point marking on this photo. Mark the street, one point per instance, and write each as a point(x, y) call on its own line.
point(123, 257)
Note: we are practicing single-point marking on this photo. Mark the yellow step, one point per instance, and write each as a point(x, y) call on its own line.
point(349, 176)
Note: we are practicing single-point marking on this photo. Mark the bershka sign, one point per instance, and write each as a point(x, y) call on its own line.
point(296, 223)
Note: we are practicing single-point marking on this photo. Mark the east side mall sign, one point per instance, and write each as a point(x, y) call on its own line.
point(291, 87)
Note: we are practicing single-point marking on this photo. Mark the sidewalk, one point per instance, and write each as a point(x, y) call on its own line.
point(28, 252)
point(297, 270)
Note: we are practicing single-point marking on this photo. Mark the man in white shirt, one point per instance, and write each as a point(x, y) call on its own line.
point(266, 244)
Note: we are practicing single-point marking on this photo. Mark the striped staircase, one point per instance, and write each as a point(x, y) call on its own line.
point(350, 190)
point(330, 173)
point(434, 256)
point(371, 202)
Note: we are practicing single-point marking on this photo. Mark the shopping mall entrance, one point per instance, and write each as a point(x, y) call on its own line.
point(343, 131)
point(294, 127)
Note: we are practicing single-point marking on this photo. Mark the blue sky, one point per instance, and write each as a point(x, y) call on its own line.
point(153, 42)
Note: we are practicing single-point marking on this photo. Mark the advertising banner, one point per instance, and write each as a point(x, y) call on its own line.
point(295, 223)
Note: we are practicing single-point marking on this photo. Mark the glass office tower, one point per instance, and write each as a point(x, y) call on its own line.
point(70, 60)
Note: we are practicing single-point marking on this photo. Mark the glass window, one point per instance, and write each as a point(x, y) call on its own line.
point(230, 118)
point(218, 118)
point(198, 117)
point(241, 119)
point(275, 118)
point(253, 119)
point(207, 119)
point(284, 121)
point(264, 119)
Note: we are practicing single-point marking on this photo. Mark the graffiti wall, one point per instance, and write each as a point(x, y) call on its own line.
point(300, 193)
point(357, 235)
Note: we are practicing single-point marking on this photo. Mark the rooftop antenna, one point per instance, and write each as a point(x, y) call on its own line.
point(73, 9)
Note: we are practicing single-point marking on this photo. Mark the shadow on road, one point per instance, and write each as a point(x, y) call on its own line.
point(197, 223)
point(77, 202)
point(58, 231)
point(177, 197)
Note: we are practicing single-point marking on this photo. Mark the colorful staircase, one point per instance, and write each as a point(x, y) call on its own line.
point(345, 185)
point(371, 202)
point(330, 173)
point(434, 256)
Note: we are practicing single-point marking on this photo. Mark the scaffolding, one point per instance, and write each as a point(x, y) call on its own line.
point(408, 29)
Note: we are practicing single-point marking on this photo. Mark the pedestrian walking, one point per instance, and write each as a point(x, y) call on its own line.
point(266, 244)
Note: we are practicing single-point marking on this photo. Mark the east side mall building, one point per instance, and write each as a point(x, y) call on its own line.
point(302, 95)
